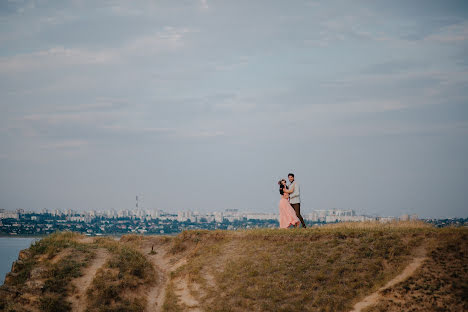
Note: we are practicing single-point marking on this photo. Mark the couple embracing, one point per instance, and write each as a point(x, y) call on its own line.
point(290, 203)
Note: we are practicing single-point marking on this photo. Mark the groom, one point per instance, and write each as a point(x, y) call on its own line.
point(294, 197)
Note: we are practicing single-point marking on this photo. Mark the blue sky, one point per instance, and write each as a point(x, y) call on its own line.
point(204, 105)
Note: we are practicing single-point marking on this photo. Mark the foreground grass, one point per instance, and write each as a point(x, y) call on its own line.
point(115, 287)
point(441, 284)
point(171, 303)
point(321, 269)
point(41, 277)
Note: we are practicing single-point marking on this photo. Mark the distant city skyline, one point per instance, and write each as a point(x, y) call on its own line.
point(319, 215)
point(205, 105)
point(156, 222)
point(231, 215)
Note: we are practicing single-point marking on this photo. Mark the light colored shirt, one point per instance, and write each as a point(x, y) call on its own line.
point(294, 197)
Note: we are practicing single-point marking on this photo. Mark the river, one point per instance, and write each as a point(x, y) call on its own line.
point(9, 250)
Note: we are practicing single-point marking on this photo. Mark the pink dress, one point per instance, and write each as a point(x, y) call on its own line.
point(287, 215)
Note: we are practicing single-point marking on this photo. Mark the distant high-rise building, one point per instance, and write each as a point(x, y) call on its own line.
point(218, 216)
point(404, 217)
point(183, 216)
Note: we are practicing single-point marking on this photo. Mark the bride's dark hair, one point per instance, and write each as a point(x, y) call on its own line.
point(282, 186)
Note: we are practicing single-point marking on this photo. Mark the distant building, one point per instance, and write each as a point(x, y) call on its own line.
point(76, 218)
point(386, 219)
point(233, 215)
point(183, 216)
point(335, 215)
point(404, 217)
point(218, 216)
point(9, 215)
point(155, 214)
point(261, 216)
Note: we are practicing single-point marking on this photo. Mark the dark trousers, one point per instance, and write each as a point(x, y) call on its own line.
point(297, 209)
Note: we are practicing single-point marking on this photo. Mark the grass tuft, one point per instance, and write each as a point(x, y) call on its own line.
point(115, 287)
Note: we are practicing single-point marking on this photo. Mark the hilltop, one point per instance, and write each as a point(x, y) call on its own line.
point(361, 266)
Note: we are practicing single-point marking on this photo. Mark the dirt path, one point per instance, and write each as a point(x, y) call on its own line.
point(183, 293)
point(78, 299)
point(407, 272)
point(157, 294)
point(164, 265)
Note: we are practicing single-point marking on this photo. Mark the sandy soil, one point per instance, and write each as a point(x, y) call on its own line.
point(372, 299)
point(164, 264)
point(81, 284)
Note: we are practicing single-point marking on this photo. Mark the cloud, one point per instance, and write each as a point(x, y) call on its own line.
point(348, 26)
point(101, 122)
point(101, 104)
point(56, 57)
point(395, 66)
point(120, 10)
point(231, 66)
point(65, 144)
point(168, 39)
point(72, 121)
point(201, 134)
point(457, 33)
point(119, 129)
point(81, 117)
point(204, 4)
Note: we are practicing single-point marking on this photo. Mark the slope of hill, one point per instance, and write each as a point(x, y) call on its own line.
point(360, 266)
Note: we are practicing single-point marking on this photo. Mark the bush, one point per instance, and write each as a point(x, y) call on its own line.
point(54, 303)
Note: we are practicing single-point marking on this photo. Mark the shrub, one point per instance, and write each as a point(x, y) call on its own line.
point(54, 303)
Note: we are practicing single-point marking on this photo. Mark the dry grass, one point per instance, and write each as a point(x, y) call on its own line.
point(441, 284)
point(42, 278)
point(317, 269)
point(374, 225)
point(115, 287)
point(171, 302)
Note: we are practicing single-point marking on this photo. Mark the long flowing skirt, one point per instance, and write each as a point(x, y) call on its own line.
point(287, 215)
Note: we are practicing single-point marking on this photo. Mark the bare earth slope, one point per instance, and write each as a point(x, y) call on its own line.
point(82, 283)
point(360, 266)
point(375, 297)
point(440, 284)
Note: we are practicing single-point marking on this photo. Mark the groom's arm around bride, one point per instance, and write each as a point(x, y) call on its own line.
point(294, 197)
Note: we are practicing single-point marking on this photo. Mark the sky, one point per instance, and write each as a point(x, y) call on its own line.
point(205, 105)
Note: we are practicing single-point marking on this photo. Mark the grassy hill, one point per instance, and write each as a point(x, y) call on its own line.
point(329, 268)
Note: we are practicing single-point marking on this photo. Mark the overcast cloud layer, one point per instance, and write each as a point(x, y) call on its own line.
point(204, 105)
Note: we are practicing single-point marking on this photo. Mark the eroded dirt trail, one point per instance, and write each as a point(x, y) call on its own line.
point(182, 291)
point(81, 284)
point(157, 294)
point(164, 264)
point(420, 256)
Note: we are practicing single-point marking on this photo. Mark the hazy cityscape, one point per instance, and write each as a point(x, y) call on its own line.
point(141, 221)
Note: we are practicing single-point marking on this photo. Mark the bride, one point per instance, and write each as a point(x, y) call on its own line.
point(287, 215)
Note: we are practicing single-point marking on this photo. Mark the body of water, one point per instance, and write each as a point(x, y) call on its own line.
point(9, 250)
